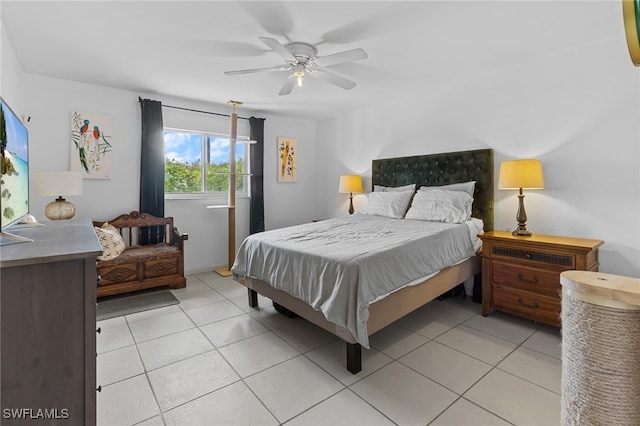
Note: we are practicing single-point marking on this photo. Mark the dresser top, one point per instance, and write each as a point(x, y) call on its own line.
point(53, 242)
point(542, 239)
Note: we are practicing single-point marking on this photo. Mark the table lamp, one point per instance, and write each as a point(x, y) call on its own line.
point(519, 174)
point(350, 184)
point(59, 184)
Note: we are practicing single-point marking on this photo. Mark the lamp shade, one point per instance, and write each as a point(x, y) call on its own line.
point(59, 183)
point(516, 174)
point(350, 183)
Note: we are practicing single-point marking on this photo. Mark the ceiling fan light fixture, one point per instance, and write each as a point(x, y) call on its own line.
point(299, 74)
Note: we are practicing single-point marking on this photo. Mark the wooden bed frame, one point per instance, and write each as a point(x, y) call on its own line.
point(423, 170)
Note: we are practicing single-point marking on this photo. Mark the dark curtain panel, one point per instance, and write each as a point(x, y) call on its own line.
point(152, 164)
point(256, 210)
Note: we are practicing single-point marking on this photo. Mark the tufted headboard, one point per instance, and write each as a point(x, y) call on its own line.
point(443, 169)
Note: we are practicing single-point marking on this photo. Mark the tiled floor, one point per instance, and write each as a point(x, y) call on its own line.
point(212, 360)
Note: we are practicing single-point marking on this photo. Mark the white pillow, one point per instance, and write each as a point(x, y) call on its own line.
point(380, 188)
point(440, 205)
point(110, 240)
point(390, 204)
point(468, 187)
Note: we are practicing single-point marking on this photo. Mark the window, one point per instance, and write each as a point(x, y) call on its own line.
point(198, 163)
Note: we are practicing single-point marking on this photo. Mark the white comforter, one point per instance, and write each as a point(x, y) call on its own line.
point(339, 266)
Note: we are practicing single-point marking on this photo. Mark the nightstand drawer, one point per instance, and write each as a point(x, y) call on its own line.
point(528, 279)
point(528, 305)
point(566, 261)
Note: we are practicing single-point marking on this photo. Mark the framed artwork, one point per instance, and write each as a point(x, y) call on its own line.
point(631, 17)
point(91, 145)
point(287, 159)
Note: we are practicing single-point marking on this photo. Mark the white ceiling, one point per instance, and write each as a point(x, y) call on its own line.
point(182, 48)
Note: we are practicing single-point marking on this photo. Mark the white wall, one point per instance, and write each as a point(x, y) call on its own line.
point(578, 112)
point(290, 203)
point(49, 102)
point(10, 74)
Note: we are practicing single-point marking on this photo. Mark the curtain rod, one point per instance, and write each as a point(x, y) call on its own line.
point(196, 110)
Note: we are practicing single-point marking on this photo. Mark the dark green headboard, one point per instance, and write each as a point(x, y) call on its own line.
point(443, 169)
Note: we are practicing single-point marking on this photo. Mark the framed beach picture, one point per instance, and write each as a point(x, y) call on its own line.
point(91, 145)
point(287, 159)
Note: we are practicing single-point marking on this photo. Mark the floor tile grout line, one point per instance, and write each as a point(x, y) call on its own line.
point(146, 376)
point(300, 354)
point(200, 396)
point(492, 367)
point(215, 348)
point(265, 405)
point(471, 356)
point(527, 380)
point(336, 378)
point(449, 347)
point(344, 386)
point(159, 337)
point(495, 335)
point(184, 359)
point(367, 402)
point(495, 367)
point(264, 369)
point(437, 382)
point(459, 397)
point(260, 400)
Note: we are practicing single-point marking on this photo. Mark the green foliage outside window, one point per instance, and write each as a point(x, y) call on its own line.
point(181, 176)
point(184, 177)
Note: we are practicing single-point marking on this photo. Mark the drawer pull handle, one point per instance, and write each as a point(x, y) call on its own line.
point(534, 305)
point(99, 330)
point(526, 280)
point(99, 388)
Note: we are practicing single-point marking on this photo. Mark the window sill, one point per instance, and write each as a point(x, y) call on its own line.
point(198, 196)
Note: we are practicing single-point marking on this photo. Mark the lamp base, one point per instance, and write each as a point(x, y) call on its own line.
point(60, 209)
point(521, 217)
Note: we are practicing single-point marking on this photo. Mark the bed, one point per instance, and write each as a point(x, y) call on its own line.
point(386, 300)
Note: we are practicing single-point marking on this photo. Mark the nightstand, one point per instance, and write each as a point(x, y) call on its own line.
point(521, 274)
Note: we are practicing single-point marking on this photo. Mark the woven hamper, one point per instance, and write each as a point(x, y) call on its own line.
point(600, 349)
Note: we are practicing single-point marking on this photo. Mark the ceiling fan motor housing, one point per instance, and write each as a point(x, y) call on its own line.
point(302, 51)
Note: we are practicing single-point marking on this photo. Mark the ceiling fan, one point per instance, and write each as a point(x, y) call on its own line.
point(302, 59)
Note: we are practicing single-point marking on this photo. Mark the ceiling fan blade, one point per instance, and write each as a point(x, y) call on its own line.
point(274, 17)
point(325, 74)
point(341, 57)
point(249, 71)
point(287, 87)
point(277, 47)
point(382, 22)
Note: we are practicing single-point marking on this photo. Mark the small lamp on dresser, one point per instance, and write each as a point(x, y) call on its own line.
point(348, 185)
point(59, 184)
point(519, 174)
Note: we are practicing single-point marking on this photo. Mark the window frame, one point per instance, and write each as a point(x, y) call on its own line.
point(204, 140)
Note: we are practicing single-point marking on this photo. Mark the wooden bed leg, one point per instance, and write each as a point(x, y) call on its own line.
point(253, 297)
point(354, 357)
